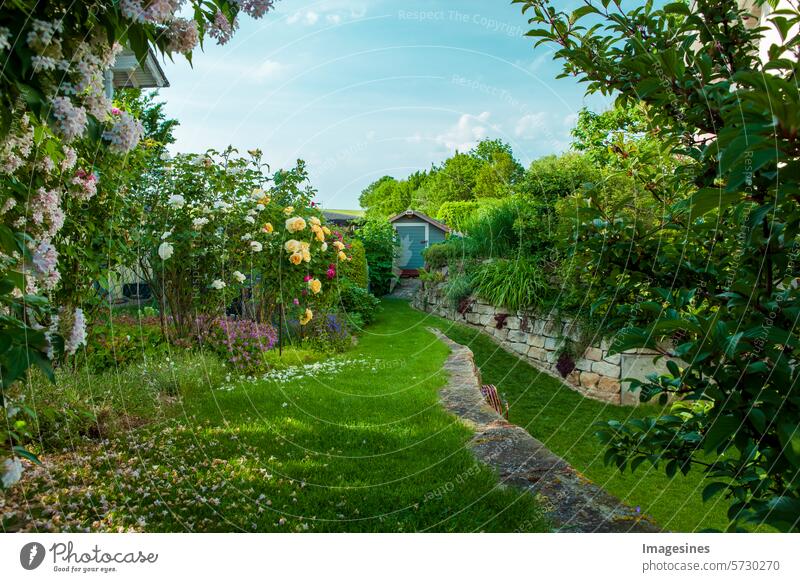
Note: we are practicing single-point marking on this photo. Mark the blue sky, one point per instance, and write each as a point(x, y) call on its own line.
point(361, 89)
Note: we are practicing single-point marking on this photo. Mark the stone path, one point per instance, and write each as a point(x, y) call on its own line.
point(406, 289)
point(573, 503)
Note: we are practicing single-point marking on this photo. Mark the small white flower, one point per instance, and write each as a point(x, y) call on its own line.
point(177, 201)
point(257, 193)
point(166, 235)
point(218, 284)
point(165, 157)
point(249, 220)
point(239, 276)
point(259, 207)
point(165, 251)
point(324, 247)
point(256, 246)
point(12, 472)
point(247, 236)
point(199, 223)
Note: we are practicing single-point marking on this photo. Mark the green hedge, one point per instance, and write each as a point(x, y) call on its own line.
point(356, 270)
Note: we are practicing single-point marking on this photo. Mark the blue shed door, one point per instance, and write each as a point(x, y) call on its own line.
point(412, 243)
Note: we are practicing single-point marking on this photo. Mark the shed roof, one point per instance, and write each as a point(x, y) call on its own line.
point(422, 216)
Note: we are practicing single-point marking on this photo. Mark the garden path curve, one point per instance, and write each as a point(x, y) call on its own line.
point(572, 502)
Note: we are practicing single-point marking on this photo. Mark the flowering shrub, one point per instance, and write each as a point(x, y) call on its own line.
point(242, 343)
point(220, 231)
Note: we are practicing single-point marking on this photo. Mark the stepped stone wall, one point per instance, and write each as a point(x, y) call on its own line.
point(541, 340)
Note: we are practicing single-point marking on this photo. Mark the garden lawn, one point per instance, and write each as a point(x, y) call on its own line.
point(355, 443)
point(564, 421)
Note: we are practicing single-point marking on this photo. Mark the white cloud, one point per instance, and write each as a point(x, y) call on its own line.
point(308, 18)
point(333, 18)
point(466, 134)
point(267, 70)
point(529, 126)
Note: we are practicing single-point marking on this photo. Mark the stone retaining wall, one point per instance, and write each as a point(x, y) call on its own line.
point(541, 340)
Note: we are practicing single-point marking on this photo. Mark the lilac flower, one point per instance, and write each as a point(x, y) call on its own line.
point(77, 335)
point(70, 119)
point(125, 134)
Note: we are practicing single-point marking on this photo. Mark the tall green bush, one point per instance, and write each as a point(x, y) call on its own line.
point(380, 245)
point(356, 269)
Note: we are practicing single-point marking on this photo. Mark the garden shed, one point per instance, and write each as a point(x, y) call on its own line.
point(416, 232)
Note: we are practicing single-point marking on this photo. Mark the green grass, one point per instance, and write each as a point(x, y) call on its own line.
point(563, 420)
point(355, 443)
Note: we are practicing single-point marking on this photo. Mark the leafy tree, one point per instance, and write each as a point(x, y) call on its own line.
point(454, 180)
point(717, 277)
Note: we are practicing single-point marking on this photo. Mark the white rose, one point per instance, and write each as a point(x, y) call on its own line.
point(165, 251)
point(249, 220)
point(218, 284)
point(199, 223)
point(176, 201)
point(256, 247)
point(324, 247)
point(239, 277)
point(259, 207)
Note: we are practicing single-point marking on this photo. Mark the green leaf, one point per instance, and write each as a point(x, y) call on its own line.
point(789, 437)
point(722, 430)
point(713, 489)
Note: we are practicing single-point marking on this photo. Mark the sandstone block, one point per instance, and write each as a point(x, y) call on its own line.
point(538, 354)
point(594, 354)
point(606, 369)
point(515, 335)
point(589, 379)
point(536, 341)
point(608, 385)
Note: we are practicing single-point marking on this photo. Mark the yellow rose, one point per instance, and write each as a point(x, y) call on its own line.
point(293, 246)
point(295, 224)
point(315, 286)
point(326, 230)
point(318, 233)
point(296, 258)
point(315, 221)
point(338, 245)
point(288, 210)
point(342, 256)
point(268, 228)
point(306, 256)
point(307, 316)
point(265, 200)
